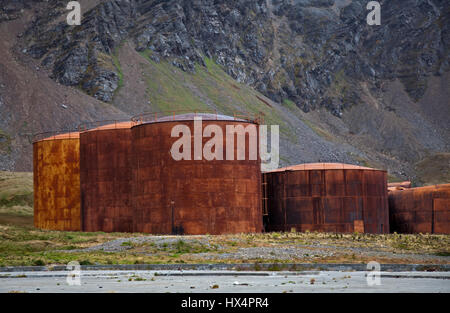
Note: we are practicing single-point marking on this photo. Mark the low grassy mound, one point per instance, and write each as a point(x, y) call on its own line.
point(16, 198)
point(434, 169)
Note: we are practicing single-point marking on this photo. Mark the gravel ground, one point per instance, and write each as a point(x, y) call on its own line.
point(269, 253)
point(124, 244)
point(279, 251)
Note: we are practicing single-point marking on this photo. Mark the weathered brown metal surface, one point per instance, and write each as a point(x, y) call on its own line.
point(420, 210)
point(403, 184)
point(327, 197)
point(56, 167)
point(192, 196)
point(399, 186)
point(106, 178)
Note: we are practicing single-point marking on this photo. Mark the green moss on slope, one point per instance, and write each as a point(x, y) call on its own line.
point(209, 88)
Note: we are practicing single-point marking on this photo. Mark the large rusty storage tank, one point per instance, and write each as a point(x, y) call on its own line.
point(420, 210)
point(56, 174)
point(327, 197)
point(106, 178)
point(194, 196)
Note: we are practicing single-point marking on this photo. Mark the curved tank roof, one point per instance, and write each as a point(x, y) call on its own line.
point(323, 166)
point(429, 188)
point(118, 125)
point(157, 117)
point(56, 136)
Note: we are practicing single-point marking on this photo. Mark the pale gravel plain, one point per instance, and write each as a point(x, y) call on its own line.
point(225, 282)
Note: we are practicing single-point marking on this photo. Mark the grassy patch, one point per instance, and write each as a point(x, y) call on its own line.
point(442, 253)
point(209, 88)
point(5, 142)
point(29, 246)
point(116, 62)
point(393, 179)
point(289, 104)
point(168, 87)
point(319, 131)
point(16, 189)
point(434, 169)
point(16, 198)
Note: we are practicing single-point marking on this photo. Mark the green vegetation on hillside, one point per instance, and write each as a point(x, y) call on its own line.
point(16, 192)
point(116, 62)
point(319, 131)
point(210, 88)
point(16, 198)
point(5, 142)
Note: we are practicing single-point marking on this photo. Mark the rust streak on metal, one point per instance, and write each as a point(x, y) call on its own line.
point(106, 178)
point(56, 174)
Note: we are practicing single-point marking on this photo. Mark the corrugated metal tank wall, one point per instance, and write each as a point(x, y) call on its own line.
point(56, 174)
point(420, 210)
point(327, 197)
point(106, 178)
point(192, 196)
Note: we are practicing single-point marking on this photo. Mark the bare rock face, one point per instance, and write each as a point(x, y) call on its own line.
point(383, 89)
point(82, 55)
point(312, 52)
point(10, 10)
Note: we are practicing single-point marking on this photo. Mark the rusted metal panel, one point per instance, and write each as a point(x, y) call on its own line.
point(420, 210)
point(399, 185)
point(106, 178)
point(327, 197)
point(441, 215)
point(192, 196)
point(56, 170)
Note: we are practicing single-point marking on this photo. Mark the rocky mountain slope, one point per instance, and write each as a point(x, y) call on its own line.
point(341, 90)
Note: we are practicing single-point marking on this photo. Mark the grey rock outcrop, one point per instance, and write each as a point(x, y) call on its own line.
point(312, 52)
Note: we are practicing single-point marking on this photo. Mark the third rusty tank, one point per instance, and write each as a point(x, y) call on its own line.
point(194, 195)
point(420, 210)
point(327, 197)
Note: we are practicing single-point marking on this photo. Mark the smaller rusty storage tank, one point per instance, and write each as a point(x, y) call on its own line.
point(327, 197)
point(194, 196)
point(56, 175)
point(106, 178)
point(420, 210)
